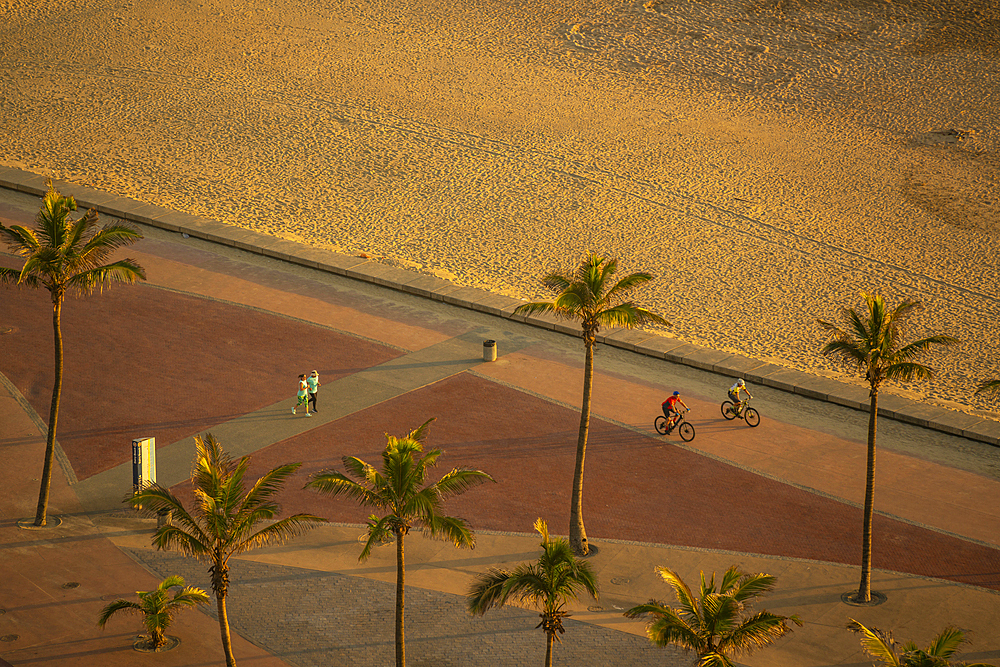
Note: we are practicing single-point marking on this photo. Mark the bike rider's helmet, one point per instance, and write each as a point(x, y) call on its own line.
point(677, 393)
point(741, 383)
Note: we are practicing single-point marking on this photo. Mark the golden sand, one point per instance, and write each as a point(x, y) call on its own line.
point(765, 159)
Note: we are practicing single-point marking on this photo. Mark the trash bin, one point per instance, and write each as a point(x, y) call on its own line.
point(489, 350)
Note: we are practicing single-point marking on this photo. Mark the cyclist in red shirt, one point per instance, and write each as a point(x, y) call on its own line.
point(670, 411)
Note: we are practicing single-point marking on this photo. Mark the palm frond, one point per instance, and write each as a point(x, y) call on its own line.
point(419, 434)
point(170, 582)
point(378, 530)
point(402, 472)
point(758, 631)
point(666, 627)
point(907, 371)
point(171, 537)
point(361, 470)
point(720, 614)
point(627, 284)
point(912, 349)
point(753, 585)
point(266, 487)
point(527, 583)
point(575, 302)
point(242, 525)
point(845, 349)
point(277, 532)
point(212, 466)
point(106, 240)
point(460, 480)
point(157, 500)
point(335, 484)
point(878, 644)
point(557, 281)
point(12, 277)
point(865, 332)
point(946, 643)
point(450, 528)
point(190, 597)
point(115, 607)
point(684, 597)
point(21, 240)
point(714, 659)
point(730, 579)
point(488, 591)
point(651, 608)
point(592, 272)
point(538, 307)
point(708, 585)
point(422, 505)
point(629, 316)
point(231, 493)
point(124, 271)
point(47, 265)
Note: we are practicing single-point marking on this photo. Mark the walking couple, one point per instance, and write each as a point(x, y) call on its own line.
point(308, 387)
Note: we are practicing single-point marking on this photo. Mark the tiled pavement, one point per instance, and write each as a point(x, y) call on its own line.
point(214, 342)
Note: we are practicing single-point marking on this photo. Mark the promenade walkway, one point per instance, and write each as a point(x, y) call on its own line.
point(213, 342)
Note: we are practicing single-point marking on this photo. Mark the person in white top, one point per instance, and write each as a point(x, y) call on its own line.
point(313, 382)
point(734, 395)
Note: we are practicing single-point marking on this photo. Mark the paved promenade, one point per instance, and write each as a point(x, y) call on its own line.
point(213, 342)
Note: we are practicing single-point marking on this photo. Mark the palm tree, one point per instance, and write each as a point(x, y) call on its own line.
point(714, 625)
point(65, 257)
point(397, 492)
point(881, 646)
point(224, 522)
point(588, 296)
point(554, 579)
point(872, 342)
point(157, 607)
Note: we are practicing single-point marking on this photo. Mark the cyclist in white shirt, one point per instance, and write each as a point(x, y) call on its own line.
point(734, 395)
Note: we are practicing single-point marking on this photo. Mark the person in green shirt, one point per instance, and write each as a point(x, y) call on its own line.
point(303, 395)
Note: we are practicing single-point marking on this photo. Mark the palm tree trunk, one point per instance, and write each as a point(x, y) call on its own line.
point(577, 533)
point(400, 601)
point(50, 440)
point(227, 642)
point(865, 588)
point(548, 649)
point(220, 584)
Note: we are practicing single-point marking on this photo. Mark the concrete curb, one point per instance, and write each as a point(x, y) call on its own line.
point(642, 342)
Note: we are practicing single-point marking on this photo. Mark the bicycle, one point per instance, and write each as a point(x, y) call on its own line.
point(747, 414)
point(684, 428)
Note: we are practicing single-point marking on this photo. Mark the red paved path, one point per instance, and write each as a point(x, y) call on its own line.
point(145, 361)
point(142, 359)
point(637, 487)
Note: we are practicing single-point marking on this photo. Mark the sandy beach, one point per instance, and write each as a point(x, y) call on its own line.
point(766, 160)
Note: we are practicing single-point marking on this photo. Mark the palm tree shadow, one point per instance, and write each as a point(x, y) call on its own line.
point(194, 425)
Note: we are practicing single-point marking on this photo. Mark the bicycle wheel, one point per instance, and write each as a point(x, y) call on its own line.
point(660, 425)
point(687, 431)
point(728, 410)
point(752, 417)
